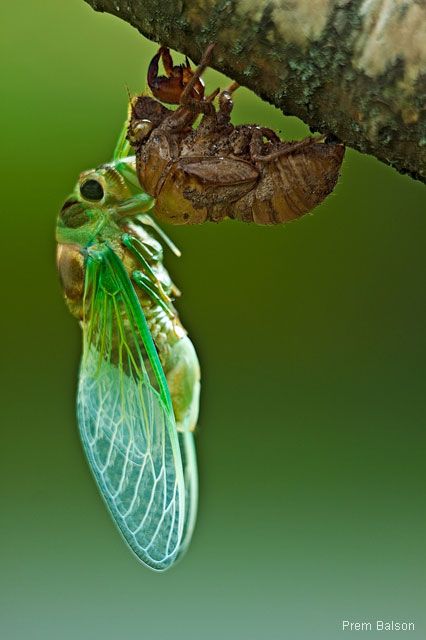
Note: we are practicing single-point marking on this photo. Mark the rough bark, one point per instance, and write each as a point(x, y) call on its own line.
point(355, 68)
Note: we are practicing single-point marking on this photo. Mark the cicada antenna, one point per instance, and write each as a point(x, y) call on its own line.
point(204, 62)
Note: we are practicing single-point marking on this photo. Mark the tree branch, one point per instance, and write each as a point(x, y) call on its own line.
point(355, 68)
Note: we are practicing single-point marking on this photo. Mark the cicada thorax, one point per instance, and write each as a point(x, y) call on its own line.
point(91, 219)
point(161, 316)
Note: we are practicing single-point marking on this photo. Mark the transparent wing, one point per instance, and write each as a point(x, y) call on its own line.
point(189, 462)
point(126, 418)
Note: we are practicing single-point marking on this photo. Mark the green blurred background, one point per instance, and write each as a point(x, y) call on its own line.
point(313, 347)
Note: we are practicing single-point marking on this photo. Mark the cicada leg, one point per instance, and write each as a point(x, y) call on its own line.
point(147, 220)
point(167, 61)
point(257, 144)
point(166, 88)
point(226, 104)
point(139, 203)
point(169, 88)
point(186, 98)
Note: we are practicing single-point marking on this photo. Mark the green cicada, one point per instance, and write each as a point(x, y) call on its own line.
point(139, 381)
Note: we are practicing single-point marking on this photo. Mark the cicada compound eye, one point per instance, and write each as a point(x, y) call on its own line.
point(92, 190)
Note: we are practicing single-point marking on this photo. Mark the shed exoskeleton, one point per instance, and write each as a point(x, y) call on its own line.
point(217, 170)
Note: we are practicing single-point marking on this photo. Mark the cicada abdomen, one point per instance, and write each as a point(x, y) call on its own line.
point(139, 381)
point(294, 178)
point(217, 170)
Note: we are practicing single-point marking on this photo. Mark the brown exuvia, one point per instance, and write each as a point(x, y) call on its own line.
point(219, 170)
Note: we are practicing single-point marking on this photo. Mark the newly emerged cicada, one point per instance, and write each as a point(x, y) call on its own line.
point(139, 380)
point(217, 170)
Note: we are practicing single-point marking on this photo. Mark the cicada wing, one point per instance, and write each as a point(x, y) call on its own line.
point(126, 417)
point(189, 462)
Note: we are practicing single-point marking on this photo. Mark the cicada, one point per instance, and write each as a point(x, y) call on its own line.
point(217, 170)
point(139, 379)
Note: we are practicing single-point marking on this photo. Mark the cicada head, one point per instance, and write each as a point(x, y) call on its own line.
point(87, 217)
point(146, 114)
point(91, 209)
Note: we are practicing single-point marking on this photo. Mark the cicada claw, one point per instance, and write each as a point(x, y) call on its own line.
point(169, 88)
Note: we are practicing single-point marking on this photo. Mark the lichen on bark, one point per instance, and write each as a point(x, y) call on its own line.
point(354, 68)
